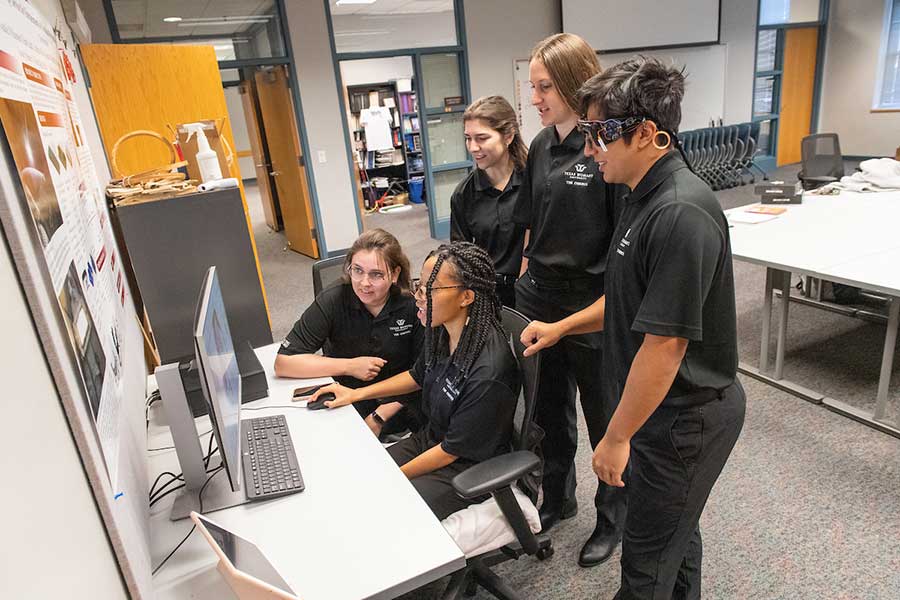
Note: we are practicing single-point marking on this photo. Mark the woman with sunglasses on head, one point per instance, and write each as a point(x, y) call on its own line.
point(467, 373)
point(482, 205)
point(366, 328)
point(569, 213)
point(670, 324)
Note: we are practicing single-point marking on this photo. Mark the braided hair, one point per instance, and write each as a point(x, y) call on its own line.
point(474, 270)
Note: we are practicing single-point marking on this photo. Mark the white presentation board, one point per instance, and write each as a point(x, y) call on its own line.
point(610, 25)
point(56, 222)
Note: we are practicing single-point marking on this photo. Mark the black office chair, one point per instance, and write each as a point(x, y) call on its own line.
point(822, 160)
point(497, 476)
point(326, 273)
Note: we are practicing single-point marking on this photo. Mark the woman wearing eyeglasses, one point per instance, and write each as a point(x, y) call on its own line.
point(366, 328)
point(569, 213)
point(669, 319)
point(467, 373)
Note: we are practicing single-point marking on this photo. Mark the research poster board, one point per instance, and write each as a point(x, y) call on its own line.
point(46, 138)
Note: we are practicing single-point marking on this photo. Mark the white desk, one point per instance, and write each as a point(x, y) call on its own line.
point(358, 530)
point(850, 238)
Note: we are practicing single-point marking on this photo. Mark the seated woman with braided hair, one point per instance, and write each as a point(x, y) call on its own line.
point(467, 373)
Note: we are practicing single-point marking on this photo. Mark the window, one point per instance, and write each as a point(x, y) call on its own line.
point(370, 25)
point(887, 84)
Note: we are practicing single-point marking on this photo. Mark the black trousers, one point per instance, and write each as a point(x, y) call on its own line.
point(435, 487)
point(676, 458)
point(506, 290)
point(575, 362)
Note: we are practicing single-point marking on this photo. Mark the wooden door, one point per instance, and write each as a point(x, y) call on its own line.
point(283, 141)
point(250, 103)
point(797, 83)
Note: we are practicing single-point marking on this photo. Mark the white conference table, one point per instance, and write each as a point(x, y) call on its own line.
point(358, 530)
point(850, 238)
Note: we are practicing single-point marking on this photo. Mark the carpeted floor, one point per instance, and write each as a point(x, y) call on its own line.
point(809, 503)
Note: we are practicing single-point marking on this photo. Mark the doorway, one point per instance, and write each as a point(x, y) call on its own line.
point(273, 155)
point(382, 112)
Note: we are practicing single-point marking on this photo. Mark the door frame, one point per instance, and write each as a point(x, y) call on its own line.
point(287, 59)
point(768, 161)
point(439, 229)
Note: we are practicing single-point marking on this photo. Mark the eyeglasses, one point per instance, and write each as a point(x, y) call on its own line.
point(357, 274)
point(420, 289)
point(601, 133)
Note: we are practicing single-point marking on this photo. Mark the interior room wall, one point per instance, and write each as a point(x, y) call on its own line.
point(375, 70)
point(239, 131)
point(499, 32)
point(493, 49)
point(322, 115)
point(848, 90)
point(719, 81)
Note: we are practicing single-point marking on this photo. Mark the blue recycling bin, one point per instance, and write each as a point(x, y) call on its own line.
point(416, 185)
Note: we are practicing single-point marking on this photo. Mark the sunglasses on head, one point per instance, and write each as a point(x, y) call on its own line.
point(601, 133)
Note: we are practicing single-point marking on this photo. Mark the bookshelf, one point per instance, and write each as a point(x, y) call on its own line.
point(379, 170)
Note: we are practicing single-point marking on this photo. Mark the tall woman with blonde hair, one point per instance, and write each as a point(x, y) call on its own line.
point(481, 207)
point(569, 214)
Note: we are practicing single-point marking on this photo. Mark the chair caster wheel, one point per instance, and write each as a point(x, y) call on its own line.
point(545, 553)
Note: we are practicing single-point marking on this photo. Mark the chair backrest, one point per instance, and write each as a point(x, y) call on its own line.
point(821, 156)
point(526, 434)
point(326, 273)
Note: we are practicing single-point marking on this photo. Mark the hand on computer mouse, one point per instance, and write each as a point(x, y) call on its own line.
point(319, 403)
point(337, 395)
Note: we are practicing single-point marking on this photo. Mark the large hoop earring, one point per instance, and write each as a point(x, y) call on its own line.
point(668, 140)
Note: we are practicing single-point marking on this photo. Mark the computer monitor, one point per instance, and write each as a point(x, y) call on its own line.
point(219, 375)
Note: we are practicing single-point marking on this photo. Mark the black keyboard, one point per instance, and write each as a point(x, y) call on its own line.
point(270, 462)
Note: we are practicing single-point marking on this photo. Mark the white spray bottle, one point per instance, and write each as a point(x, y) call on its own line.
point(207, 160)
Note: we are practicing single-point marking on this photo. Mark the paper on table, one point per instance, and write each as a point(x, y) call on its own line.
point(739, 216)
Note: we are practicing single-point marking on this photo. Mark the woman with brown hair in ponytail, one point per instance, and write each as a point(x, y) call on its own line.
point(481, 207)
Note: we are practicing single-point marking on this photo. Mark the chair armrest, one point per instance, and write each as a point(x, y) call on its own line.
point(494, 473)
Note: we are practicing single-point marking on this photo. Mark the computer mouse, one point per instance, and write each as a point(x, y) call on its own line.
point(319, 403)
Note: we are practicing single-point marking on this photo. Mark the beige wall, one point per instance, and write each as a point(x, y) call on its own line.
point(499, 32)
point(848, 91)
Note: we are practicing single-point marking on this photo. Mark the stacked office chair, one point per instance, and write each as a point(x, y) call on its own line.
point(513, 481)
point(822, 160)
point(722, 155)
point(326, 273)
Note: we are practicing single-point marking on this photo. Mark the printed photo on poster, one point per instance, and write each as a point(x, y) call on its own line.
point(84, 338)
point(31, 161)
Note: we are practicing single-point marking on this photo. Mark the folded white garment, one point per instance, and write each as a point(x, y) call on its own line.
point(482, 527)
point(875, 175)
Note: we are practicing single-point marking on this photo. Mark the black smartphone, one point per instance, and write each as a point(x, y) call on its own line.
point(301, 393)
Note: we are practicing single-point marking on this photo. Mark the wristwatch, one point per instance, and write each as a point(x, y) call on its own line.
point(377, 418)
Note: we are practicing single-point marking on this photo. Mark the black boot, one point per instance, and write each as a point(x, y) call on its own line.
point(600, 546)
point(552, 512)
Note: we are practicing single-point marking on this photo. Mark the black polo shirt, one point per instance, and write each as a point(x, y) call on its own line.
point(567, 206)
point(472, 419)
point(341, 326)
point(483, 215)
point(670, 274)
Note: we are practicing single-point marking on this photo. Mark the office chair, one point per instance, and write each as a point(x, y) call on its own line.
point(822, 160)
point(497, 477)
point(326, 273)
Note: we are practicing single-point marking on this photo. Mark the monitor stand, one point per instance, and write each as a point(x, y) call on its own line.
point(218, 493)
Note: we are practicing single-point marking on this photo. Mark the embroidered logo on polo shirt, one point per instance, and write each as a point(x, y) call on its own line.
point(578, 176)
point(402, 328)
point(623, 243)
point(450, 390)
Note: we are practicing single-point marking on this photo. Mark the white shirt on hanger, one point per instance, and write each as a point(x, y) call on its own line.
point(377, 123)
